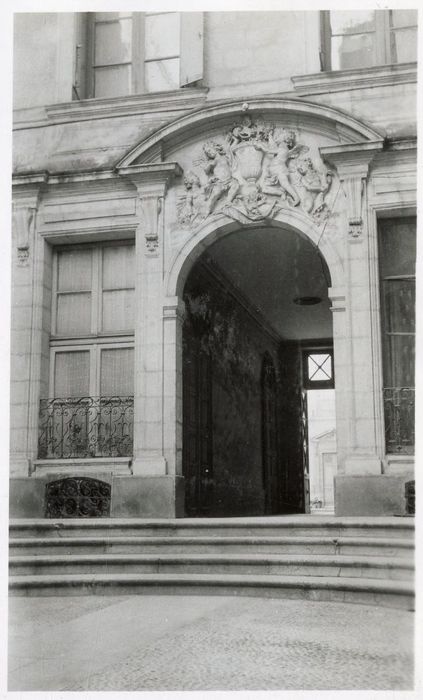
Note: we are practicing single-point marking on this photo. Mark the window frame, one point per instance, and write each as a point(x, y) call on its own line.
point(96, 292)
point(388, 335)
point(309, 384)
point(191, 54)
point(97, 340)
point(137, 75)
point(383, 42)
point(94, 349)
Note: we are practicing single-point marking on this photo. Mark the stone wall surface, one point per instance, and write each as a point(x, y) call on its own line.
point(85, 143)
point(270, 61)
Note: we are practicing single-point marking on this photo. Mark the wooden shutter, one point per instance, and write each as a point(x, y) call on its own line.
point(192, 61)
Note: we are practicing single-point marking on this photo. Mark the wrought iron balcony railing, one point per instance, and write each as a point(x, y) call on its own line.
point(399, 419)
point(89, 426)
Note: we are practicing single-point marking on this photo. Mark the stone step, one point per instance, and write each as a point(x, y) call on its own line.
point(397, 594)
point(295, 526)
point(372, 546)
point(287, 565)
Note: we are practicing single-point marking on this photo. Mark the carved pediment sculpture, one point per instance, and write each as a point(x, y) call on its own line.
point(255, 172)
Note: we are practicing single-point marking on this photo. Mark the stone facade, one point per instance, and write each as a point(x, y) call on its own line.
point(257, 143)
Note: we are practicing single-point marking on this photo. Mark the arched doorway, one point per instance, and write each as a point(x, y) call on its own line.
point(255, 300)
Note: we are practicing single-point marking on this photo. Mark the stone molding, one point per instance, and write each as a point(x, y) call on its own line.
point(355, 79)
point(194, 122)
point(26, 192)
point(102, 108)
point(174, 308)
point(337, 298)
point(152, 181)
point(352, 163)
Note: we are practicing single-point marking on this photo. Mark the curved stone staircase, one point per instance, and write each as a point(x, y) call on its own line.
point(363, 560)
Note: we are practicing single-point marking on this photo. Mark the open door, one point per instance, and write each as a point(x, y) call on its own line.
point(197, 438)
point(293, 428)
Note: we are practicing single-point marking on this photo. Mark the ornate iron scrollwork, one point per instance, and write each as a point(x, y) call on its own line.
point(77, 497)
point(410, 497)
point(86, 427)
point(399, 419)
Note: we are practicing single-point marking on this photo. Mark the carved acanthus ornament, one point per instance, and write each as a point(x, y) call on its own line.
point(26, 195)
point(151, 206)
point(23, 220)
point(151, 181)
point(252, 174)
point(354, 192)
point(352, 162)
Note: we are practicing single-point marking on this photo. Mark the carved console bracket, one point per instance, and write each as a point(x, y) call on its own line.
point(352, 163)
point(151, 181)
point(25, 200)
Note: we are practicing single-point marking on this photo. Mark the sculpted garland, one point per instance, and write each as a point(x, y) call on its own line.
point(258, 171)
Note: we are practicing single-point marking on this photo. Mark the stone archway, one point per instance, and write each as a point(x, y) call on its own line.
point(183, 265)
point(167, 250)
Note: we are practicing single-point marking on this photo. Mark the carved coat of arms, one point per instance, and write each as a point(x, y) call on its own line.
point(257, 171)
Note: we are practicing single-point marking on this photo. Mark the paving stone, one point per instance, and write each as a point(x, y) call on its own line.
point(210, 643)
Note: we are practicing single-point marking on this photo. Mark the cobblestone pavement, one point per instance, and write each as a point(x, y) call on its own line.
point(206, 643)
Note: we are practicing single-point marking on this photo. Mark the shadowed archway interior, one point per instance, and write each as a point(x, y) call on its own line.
point(248, 319)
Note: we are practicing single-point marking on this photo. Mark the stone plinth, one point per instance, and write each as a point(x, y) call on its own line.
point(368, 494)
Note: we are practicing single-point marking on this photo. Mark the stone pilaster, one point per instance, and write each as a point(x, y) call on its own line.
point(151, 181)
point(356, 368)
point(173, 318)
point(26, 322)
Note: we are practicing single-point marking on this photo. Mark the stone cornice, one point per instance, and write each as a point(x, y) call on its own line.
point(30, 180)
point(352, 160)
point(336, 81)
point(27, 189)
point(405, 144)
point(151, 178)
point(352, 164)
point(102, 108)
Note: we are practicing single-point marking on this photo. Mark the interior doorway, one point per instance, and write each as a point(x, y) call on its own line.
point(254, 301)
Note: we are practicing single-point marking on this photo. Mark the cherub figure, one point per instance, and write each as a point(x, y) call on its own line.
point(283, 149)
point(220, 179)
point(189, 207)
point(314, 185)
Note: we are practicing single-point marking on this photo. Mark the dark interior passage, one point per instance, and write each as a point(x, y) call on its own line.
point(243, 400)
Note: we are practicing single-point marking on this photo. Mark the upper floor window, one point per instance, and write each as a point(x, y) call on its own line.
point(124, 53)
point(365, 38)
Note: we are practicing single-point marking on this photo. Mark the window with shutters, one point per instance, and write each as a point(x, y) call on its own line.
point(125, 53)
point(90, 406)
point(397, 256)
point(365, 38)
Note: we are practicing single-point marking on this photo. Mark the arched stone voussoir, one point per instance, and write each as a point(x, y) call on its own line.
point(221, 226)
